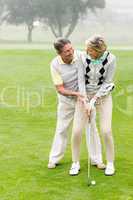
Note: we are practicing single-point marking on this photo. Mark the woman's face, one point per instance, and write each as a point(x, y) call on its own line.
point(93, 53)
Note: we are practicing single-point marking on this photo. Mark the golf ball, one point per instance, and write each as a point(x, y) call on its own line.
point(93, 182)
point(36, 23)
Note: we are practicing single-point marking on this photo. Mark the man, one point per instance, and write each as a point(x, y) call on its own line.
point(64, 71)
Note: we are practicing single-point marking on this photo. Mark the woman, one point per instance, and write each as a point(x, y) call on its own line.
point(95, 77)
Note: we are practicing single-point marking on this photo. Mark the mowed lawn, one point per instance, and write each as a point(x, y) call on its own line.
point(27, 123)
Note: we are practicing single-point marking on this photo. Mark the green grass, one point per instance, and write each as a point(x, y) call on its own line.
point(26, 134)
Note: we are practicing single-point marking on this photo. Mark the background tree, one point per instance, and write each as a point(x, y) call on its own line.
point(3, 12)
point(22, 12)
point(62, 15)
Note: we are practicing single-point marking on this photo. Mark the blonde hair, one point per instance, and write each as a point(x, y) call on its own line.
point(97, 43)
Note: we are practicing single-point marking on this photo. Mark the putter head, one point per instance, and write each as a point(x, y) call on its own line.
point(89, 182)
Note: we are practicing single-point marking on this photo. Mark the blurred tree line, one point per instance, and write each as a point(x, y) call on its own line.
point(60, 15)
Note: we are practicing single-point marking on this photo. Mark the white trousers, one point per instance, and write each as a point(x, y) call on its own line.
point(93, 140)
point(105, 120)
point(104, 108)
point(66, 112)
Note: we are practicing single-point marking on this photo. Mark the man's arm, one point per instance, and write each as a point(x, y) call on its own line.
point(62, 90)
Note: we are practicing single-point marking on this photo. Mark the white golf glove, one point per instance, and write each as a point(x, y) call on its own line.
point(105, 89)
point(92, 103)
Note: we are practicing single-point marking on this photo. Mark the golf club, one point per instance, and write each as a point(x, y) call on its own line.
point(90, 182)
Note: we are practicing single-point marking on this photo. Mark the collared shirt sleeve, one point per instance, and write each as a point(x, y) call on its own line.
point(56, 77)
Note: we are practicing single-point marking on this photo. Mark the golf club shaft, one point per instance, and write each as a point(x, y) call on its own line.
point(89, 162)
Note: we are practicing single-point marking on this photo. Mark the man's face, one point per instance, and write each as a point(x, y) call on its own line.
point(67, 53)
point(93, 53)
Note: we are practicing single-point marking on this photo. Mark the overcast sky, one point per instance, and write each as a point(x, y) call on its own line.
point(120, 4)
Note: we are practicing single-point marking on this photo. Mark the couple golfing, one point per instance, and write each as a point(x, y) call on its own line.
point(83, 82)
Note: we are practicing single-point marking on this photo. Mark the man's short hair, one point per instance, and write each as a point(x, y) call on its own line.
point(60, 43)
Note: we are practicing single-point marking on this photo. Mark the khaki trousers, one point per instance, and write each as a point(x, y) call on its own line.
point(68, 111)
point(94, 146)
point(105, 118)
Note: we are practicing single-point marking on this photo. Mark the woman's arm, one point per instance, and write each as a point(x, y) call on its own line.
point(107, 85)
point(108, 79)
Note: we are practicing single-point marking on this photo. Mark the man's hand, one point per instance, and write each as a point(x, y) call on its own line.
point(86, 105)
point(66, 92)
point(82, 98)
